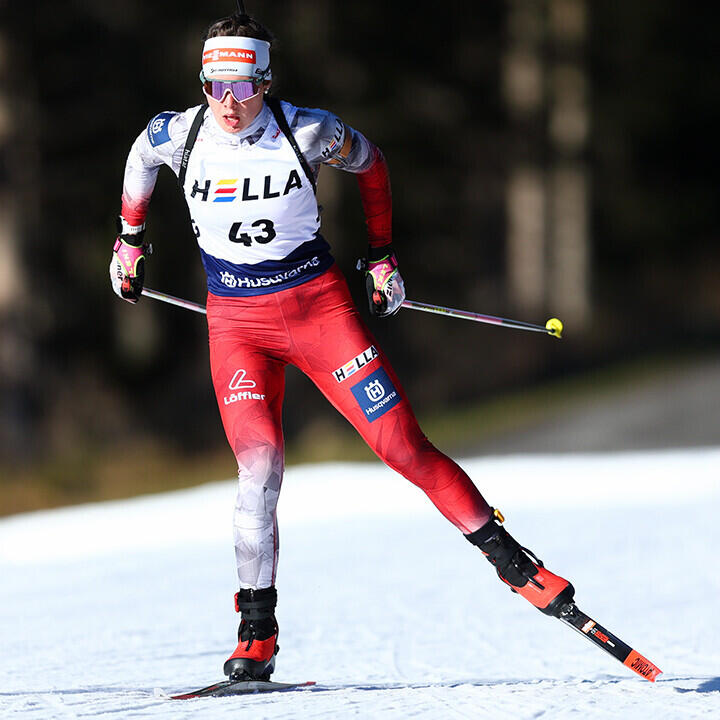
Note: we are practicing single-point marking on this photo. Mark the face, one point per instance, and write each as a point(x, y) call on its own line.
point(231, 115)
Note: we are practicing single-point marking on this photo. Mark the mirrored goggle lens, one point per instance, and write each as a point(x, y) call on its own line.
point(241, 89)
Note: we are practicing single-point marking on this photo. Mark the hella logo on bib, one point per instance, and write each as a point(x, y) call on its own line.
point(243, 387)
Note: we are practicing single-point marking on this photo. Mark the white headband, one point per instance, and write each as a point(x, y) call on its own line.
point(231, 55)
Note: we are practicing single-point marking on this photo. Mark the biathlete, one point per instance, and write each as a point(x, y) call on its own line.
point(247, 165)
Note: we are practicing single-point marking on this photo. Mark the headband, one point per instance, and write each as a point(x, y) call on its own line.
point(231, 55)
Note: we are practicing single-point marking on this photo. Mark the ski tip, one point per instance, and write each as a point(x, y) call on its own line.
point(642, 666)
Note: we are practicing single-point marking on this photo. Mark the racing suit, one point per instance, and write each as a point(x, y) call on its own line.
point(275, 297)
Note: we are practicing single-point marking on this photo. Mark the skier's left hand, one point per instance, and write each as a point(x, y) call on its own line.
point(384, 285)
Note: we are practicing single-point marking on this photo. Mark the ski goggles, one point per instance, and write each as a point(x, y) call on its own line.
point(239, 89)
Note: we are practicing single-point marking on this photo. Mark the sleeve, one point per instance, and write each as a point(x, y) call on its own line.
point(376, 198)
point(327, 140)
point(159, 144)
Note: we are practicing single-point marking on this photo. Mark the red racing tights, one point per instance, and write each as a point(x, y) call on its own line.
point(316, 327)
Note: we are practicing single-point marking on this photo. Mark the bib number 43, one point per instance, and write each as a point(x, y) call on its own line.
point(238, 235)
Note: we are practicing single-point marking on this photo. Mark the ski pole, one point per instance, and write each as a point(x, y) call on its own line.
point(172, 300)
point(552, 327)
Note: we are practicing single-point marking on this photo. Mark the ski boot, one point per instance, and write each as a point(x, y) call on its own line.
point(520, 569)
point(254, 656)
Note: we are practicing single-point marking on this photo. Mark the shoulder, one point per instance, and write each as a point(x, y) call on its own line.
point(170, 128)
point(326, 140)
point(158, 129)
point(320, 133)
point(315, 119)
point(163, 140)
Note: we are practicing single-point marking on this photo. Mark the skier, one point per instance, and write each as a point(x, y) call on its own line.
point(247, 165)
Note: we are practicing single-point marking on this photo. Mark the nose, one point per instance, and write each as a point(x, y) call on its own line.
point(229, 100)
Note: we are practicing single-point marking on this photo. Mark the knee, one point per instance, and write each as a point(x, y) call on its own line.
point(408, 453)
point(260, 473)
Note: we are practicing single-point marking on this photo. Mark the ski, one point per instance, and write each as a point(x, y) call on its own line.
point(241, 687)
point(571, 615)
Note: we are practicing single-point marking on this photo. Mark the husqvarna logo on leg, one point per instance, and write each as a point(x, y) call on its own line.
point(375, 391)
point(239, 382)
point(376, 394)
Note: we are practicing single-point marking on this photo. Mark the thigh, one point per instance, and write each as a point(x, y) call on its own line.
point(336, 349)
point(249, 385)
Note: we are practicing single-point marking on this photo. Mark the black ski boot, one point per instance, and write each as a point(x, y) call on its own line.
point(520, 569)
point(254, 656)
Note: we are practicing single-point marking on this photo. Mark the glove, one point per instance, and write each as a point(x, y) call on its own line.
point(385, 287)
point(127, 266)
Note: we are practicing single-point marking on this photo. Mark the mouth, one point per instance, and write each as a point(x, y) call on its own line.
point(232, 121)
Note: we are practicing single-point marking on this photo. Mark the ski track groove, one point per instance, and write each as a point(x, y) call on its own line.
point(399, 662)
point(430, 690)
point(57, 702)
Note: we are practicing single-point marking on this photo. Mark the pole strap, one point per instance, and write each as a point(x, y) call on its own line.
point(190, 143)
point(281, 120)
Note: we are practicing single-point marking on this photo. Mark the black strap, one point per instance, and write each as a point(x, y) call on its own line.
point(256, 604)
point(190, 143)
point(281, 120)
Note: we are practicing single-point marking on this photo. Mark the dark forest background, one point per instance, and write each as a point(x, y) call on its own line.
point(549, 158)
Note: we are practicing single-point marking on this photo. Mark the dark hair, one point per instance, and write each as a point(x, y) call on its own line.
point(239, 26)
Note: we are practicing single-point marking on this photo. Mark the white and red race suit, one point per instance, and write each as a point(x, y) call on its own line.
point(275, 297)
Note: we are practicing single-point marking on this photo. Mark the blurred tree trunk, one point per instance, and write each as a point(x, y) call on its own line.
point(569, 257)
point(523, 86)
point(545, 88)
point(17, 164)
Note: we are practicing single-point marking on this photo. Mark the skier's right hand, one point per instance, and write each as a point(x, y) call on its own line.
point(127, 266)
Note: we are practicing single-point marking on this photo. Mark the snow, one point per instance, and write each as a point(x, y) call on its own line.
point(380, 600)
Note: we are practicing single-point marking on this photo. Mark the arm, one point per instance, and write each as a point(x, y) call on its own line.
point(159, 144)
point(376, 198)
point(155, 146)
point(334, 143)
